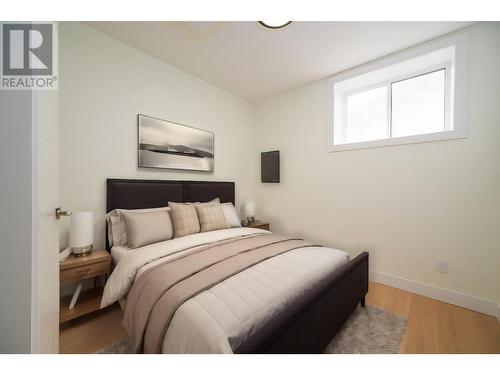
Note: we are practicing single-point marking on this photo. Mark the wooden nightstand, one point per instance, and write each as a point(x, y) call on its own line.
point(258, 224)
point(77, 269)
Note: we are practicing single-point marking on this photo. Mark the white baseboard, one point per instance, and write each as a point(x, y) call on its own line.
point(445, 295)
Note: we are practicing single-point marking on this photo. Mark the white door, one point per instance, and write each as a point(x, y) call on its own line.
point(45, 257)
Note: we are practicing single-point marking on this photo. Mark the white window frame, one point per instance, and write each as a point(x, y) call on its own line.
point(456, 83)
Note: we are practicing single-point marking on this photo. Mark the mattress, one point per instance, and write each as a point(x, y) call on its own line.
point(234, 308)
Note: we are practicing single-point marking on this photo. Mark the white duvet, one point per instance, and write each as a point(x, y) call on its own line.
point(239, 304)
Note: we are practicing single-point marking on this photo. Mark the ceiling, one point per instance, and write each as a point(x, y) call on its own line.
point(255, 63)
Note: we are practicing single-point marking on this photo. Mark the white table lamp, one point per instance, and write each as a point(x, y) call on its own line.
point(249, 211)
point(81, 235)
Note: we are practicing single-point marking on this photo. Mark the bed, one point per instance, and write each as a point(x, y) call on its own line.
point(293, 301)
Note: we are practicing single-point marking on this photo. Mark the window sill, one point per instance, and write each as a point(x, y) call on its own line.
point(432, 137)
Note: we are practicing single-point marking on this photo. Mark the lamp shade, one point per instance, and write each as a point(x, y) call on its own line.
point(81, 234)
point(249, 209)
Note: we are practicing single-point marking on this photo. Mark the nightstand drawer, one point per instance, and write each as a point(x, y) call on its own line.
point(84, 272)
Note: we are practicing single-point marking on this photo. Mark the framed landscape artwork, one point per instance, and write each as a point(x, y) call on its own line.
point(165, 144)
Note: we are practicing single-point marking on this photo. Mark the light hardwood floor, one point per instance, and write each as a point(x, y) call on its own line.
point(432, 327)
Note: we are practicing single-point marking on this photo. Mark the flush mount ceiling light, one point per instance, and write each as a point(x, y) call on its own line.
point(274, 25)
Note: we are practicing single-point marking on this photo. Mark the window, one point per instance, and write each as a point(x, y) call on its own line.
point(415, 96)
point(366, 115)
point(418, 105)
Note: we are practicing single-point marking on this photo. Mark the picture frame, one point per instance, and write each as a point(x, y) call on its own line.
point(168, 145)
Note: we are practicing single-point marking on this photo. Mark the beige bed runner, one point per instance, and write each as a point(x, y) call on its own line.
point(158, 293)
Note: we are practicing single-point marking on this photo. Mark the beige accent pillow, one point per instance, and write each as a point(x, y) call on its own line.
point(211, 217)
point(213, 201)
point(144, 228)
point(185, 219)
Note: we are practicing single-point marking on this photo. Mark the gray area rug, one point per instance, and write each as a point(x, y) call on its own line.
point(368, 331)
point(118, 347)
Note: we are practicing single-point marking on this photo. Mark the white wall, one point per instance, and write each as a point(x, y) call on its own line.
point(104, 85)
point(406, 205)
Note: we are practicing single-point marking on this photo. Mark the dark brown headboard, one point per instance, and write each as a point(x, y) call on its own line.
point(136, 194)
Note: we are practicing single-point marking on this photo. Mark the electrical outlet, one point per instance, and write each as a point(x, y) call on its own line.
point(441, 266)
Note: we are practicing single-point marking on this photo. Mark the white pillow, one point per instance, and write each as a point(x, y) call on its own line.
point(231, 216)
